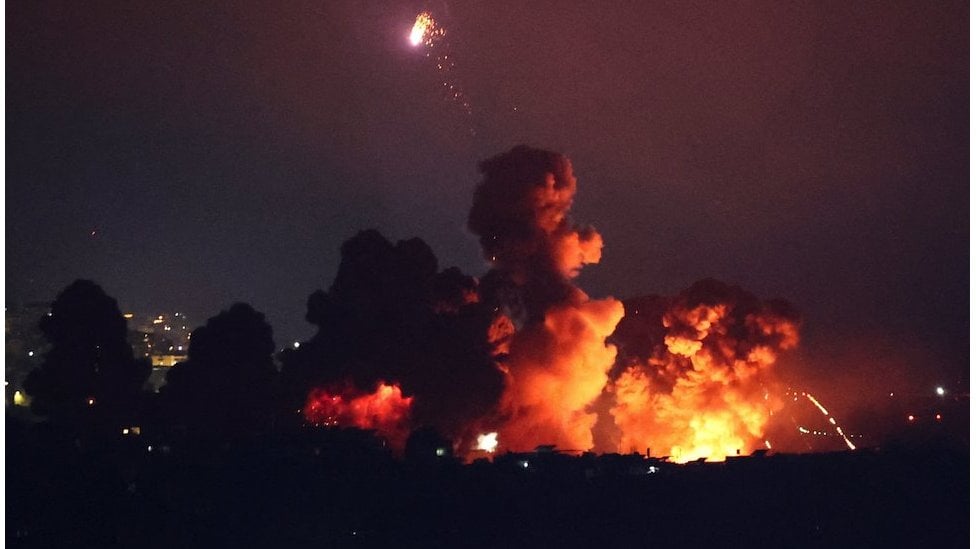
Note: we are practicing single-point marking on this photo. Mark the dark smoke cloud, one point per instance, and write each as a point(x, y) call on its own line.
point(390, 315)
point(521, 217)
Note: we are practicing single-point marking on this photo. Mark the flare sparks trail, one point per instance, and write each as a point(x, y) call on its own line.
point(830, 419)
point(432, 37)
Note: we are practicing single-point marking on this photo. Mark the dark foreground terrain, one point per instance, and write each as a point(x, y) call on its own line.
point(343, 489)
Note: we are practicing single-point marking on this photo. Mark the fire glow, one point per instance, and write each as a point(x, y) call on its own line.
point(701, 392)
point(384, 410)
point(532, 360)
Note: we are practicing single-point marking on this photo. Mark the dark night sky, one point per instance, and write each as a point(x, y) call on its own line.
point(814, 151)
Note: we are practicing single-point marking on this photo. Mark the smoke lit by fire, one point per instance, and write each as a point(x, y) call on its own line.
point(704, 388)
point(523, 356)
point(558, 358)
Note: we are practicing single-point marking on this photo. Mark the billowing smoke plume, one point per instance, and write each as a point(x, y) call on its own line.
point(693, 378)
point(526, 355)
point(557, 360)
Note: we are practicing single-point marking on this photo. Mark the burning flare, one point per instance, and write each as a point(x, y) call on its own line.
point(424, 29)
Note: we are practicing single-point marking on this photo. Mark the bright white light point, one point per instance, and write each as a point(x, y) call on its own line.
point(488, 442)
point(30, 353)
point(940, 391)
point(416, 35)
point(296, 344)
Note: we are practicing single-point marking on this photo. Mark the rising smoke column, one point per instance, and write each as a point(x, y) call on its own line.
point(694, 377)
point(557, 361)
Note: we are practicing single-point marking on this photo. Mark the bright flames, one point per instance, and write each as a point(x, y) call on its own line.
point(702, 393)
point(385, 410)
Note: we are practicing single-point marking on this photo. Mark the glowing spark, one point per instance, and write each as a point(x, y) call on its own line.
point(487, 442)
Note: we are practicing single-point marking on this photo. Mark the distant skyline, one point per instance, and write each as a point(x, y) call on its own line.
point(189, 156)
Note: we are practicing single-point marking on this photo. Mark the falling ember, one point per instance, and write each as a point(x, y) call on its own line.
point(487, 442)
point(385, 410)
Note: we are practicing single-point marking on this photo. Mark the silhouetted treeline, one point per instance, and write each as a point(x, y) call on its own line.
point(342, 488)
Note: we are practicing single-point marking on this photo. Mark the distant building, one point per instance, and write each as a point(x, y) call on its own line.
point(162, 338)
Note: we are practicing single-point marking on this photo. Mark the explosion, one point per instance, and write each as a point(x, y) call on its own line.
point(698, 385)
point(522, 357)
point(385, 410)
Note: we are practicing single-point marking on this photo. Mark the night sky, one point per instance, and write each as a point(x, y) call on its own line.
point(222, 152)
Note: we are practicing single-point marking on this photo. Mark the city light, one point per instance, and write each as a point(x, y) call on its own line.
point(296, 344)
point(30, 353)
point(940, 391)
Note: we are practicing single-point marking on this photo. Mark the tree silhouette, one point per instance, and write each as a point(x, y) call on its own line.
point(89, 376)
point(226, 387)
